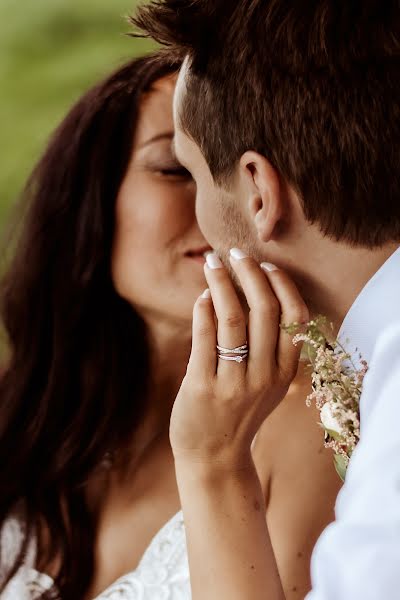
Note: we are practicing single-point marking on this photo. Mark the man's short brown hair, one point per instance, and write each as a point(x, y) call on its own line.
point(312, 85)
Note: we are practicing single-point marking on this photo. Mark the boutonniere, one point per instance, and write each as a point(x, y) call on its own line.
point(336, 387)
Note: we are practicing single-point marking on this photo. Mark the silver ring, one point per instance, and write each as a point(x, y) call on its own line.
point(238, 350)
point(237, 359)
point(238, 354)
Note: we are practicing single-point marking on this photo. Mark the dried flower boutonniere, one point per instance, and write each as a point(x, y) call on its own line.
point(337, 386)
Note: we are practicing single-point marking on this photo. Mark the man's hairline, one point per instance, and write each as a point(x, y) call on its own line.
point(224, 180)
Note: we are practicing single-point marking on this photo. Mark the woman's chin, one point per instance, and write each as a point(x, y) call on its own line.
point(183, 305)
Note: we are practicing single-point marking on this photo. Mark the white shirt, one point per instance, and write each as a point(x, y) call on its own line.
point(358, 556)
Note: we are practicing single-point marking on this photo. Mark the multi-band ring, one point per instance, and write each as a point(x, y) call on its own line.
point(238, 354)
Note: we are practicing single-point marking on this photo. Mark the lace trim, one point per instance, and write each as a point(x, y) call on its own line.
point(162, 574)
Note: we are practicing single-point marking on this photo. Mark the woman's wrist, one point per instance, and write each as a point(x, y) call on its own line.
point(213, 470)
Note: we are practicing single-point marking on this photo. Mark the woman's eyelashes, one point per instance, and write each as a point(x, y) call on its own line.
point(168, 169)
point(175, 171)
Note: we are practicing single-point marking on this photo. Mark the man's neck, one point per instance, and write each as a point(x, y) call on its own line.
point(336, 276)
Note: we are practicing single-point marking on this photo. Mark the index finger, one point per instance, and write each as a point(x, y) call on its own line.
point(264, 315)
point(294, 310)
point(203, 359)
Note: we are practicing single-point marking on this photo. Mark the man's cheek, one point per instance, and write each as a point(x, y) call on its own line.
point(205, 215)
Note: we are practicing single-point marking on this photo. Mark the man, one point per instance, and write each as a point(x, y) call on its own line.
point(287, 115)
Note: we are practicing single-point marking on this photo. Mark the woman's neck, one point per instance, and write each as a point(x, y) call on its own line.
point(170, 345)
point(170, 350)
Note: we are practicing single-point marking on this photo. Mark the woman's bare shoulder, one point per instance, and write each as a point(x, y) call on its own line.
point(290, 444)
point(299, 481)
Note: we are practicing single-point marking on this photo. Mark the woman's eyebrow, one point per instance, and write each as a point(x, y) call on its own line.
point(168, 135)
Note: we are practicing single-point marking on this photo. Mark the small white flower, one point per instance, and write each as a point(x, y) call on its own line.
point(328, 419)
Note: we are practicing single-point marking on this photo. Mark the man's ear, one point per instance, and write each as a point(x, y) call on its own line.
point(264, 200)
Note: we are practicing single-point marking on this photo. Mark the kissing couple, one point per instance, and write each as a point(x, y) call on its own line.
point(141, 439)
point(287, 115)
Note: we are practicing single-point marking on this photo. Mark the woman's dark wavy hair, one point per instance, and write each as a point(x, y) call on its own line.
point(75, 384)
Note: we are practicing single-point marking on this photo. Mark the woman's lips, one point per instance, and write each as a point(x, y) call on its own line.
point(198, 258)
point(199, 254)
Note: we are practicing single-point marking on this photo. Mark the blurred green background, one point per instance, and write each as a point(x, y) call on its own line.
point(50, 52)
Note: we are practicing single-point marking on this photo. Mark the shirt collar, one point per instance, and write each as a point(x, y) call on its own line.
point(375, 308)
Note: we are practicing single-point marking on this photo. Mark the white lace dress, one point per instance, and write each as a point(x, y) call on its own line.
point(162, 574)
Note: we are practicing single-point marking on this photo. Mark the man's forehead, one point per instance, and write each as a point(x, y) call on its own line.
point(180, 90)
point(184, 148)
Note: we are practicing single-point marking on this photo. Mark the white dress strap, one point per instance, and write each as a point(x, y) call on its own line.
point(163, 572)
point(27, 583)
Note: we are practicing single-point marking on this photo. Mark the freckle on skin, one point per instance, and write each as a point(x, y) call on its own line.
point(257, 506)
point(252, 566)
point(294, 589)
point(299, 555)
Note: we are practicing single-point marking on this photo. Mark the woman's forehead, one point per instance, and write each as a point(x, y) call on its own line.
point(156, 109)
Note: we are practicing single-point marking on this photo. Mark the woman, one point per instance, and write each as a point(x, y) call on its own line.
point(97, 304)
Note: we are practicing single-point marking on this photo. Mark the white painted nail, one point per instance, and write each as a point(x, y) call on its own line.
point(238, 254)
point(213, 261)
point(268, 267)
point(206, 294)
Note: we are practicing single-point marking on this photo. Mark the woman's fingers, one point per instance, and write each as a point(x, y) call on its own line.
point(272, 299)
point(230, 316)
point(221, 404)
point(203, 357)
point(293, 310)
point(264, 317)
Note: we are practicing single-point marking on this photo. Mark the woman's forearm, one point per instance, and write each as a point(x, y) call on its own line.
point(230, 552)
point(222, 402)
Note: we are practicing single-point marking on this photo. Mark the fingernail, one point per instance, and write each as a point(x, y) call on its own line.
point(238, 254)
point(206, 294)
point(213, 261)
point(268, 267)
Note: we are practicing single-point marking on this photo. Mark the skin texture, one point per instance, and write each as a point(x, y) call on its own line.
point(156, 225)
point(234, 552)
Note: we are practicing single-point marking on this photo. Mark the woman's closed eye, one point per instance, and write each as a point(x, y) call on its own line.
point(174, 170)
point(168, 168)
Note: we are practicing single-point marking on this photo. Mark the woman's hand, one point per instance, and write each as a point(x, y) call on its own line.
point(218, 411)
point(221, 404)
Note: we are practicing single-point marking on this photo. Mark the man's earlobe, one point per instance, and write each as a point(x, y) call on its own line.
point(265, 202)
